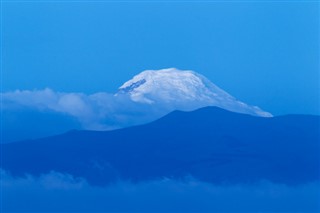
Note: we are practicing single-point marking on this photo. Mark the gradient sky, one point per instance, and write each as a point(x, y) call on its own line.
point(263, 53)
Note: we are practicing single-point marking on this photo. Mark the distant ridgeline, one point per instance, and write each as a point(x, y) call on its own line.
point(209, 144)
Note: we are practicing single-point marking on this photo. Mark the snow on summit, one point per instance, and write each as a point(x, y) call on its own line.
point(182, 90)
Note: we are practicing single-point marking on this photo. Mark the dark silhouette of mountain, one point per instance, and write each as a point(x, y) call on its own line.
point(209, 144)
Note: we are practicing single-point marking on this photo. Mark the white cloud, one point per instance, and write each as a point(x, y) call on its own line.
point(37, 98)
point(100, 111)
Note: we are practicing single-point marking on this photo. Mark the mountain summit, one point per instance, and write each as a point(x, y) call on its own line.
point(183, 90)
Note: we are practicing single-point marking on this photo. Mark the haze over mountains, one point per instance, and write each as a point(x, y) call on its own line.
point(145, 98)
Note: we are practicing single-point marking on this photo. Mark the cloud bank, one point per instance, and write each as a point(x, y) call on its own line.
point(77, 105)
point(56, 192)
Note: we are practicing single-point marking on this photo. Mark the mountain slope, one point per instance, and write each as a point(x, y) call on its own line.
point(209, 144)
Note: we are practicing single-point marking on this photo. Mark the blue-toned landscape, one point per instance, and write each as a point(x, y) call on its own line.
point(160, 106)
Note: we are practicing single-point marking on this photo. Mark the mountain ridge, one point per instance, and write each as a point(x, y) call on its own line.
point(210, 144)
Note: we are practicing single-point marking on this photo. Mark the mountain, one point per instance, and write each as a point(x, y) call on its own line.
point(209, 144)
point(147, 97)
point(182, 90)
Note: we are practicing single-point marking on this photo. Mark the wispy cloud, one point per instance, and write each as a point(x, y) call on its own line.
point(63, 193)
point(100, 111)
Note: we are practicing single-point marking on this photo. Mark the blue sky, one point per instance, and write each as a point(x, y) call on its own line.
point(263, 53)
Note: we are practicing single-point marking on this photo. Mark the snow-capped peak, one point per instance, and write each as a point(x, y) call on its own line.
point(182, 90)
